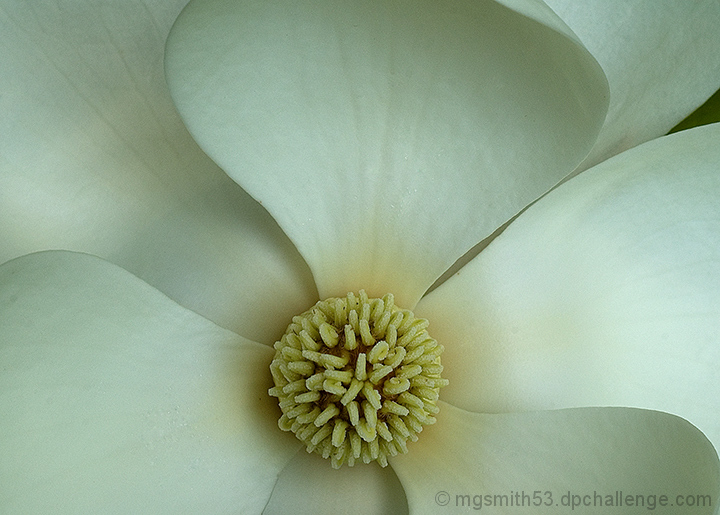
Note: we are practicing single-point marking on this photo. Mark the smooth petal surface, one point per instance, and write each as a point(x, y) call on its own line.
point(231, 263)
point(114, 399)
point(386, 138)
point(576, 461)
point(605, 292)
point(309, 486)
point(93, 157)
point(660, 57)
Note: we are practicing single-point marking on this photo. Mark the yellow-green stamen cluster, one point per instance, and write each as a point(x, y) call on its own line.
point(356, 378)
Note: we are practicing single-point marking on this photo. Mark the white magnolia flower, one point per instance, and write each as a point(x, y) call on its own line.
point(386, 140)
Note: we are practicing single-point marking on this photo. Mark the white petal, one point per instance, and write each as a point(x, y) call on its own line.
point(230, 263)
point(309, 486)
point(95, 158)
point(387, 138)
point(114, 399)
point(605, 292)
point(574, 461)
point(661, 60)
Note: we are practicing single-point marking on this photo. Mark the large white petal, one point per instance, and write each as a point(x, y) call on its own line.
point(660, 57)
point(574, 461)
point(114, 399)
point(386, 137)
point(309, 486)
point(605, 292)
point(93, 157)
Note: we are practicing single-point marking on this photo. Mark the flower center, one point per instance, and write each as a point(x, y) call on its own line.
point(356, 378)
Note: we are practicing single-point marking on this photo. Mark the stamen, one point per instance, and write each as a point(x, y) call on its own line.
point(352, 392)
point(361, 367)
point(329, 335)
point(353, 413)
point(356, 378)
point(315, 381)
point(339, 433)
point(378, 352)
point(376, 375)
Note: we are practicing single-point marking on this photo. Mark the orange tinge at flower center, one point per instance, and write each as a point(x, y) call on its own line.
point(356, 378)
